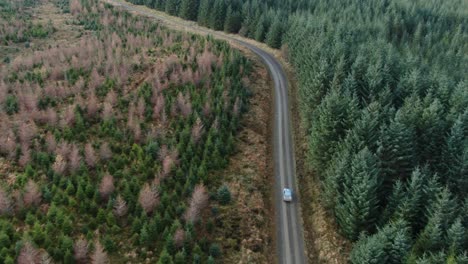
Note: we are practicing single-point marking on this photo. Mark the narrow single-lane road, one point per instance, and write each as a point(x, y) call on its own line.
point(290, 239)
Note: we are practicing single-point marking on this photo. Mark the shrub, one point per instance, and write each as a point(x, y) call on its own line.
point(224, 195)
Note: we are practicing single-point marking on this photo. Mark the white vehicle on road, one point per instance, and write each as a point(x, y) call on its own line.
point(287, 195)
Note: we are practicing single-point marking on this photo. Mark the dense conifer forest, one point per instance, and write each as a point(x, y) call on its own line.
point(384, 101)
point(107, 141)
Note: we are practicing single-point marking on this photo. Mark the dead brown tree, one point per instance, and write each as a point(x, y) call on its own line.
point(32, 195)
point(148, 198)
point(198, 202)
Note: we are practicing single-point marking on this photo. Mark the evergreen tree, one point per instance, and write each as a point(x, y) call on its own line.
point(204, 12)
point(165, 258)
point(358, 205)
point(275, 32)
point(172, 7)
point(333, 118)
point(412, 205)
point(396, 151)
point(441, 216)
point(455, 165)
point(432, 131)
point(260, 31)
point(333, 181)
point(224, 195)
point(390, 244)
point(232, 23)
point(189, 9)
point(218, 14)
point(457, 237)
point(180, 257)
point(144, 236)
point(396, 198)
point(368, 251)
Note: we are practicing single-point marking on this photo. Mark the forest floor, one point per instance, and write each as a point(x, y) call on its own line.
point(247, 228)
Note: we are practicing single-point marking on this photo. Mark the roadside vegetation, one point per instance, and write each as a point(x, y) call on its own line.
point(383, 99)
point(109, 141)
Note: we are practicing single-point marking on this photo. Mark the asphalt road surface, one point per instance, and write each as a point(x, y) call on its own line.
point(289, 235)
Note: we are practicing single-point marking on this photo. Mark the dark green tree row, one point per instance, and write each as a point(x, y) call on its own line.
point(254, 19)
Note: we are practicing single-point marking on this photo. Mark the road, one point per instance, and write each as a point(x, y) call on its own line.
point(290, 239)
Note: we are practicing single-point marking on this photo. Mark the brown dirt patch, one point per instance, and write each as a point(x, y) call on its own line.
point(247, 224)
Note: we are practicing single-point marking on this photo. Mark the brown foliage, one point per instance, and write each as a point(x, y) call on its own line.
point(75, 7)
point(198, 202)
point(60, 164)
point(80, 250)
point(205, 60)
point(105, 151)
point(148, 198)
point(8, 143)
point(169, 160)
point(44, 258)
point(237, 106)
point(27, 131)
point(32, 195)
point(95, 80)
point(74, 158)
point(68, 117)
point(197, 130)
point(111, 98)
point(3, 92)
point(63, 149)
point(106, 188)
point(90, 155)
point(207, 109)
point(158, 106)
point(120, 207)
point(107, 111)
point(28, 254)
point(184, 105)
point(25, 157)
point(92, 105)
point(141, 108)
point(46, 117)
point(99, 256)
point(5, 203)
point(137, 131)
point(179, 237)
point(27, 101)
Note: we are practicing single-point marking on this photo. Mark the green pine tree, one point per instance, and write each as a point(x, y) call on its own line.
point(368, 251)
point(232, 23)
point(172, 7)
point(455, 155)
point(204, 12)
point(260, 31)
point(457, 237)
point(396, 151)
point(224, 195)
point(275, 33)
point(165, 258)
point(218, 14)
point(358, 205)
point(333, 117)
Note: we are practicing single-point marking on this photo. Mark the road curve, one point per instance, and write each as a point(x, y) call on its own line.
point(290, 239)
